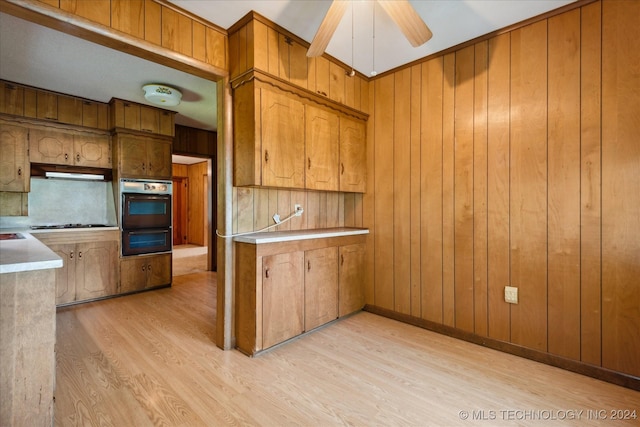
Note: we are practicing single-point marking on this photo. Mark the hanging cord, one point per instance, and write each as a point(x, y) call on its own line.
point(282, 221)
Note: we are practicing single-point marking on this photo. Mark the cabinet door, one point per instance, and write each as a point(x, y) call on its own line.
point(353, 161)
point(351, 279)
point(96, 269)
point(149, 119)
point(133, 156)
point(320, 287)
point(92, 150)
point(282, 297)
point(282, 139)
point(14, 161)
point(167, 126)
point(50, 146)
point(65, 276)
point(158, 159)
point(158, 270)
point(133, 274)
point(131, 115)
point(322, 138)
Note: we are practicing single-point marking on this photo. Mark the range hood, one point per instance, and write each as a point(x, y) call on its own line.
point(71, 172)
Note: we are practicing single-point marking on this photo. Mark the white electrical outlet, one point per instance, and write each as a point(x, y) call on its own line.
point(511, 294)
point(298, 209)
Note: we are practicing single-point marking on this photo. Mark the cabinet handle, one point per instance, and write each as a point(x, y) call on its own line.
point(266, 273)
point(342, 168)
point(309, 167)
point(146, 130)
point(150, 167)
point(149, 267)
point(19, 171)
point(143, 168)
point(71, 255)
point(66, 156)
point(144, 268)
point(266, 156)
point(77, 157)
point(308, 265)
point(342, 259)
point(80, 255)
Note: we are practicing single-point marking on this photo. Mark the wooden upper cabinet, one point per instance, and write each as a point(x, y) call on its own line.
point(49, 145)
point(11, 99)
point(322, 134)
point(144, 118)
point(353, 161)
point(140, 156)
point(282, 138)
point(14, 159)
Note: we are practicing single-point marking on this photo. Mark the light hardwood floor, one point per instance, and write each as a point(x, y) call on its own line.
point(150, 359)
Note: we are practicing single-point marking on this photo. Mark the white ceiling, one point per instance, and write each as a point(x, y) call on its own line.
point(37, 56)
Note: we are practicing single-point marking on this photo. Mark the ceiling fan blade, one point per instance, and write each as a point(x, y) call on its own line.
point(408, 20)
point(327, 28)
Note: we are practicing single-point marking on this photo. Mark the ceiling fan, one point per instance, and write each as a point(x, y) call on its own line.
point(400, 11)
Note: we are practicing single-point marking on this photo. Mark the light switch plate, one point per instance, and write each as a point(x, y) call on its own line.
point(511, 294)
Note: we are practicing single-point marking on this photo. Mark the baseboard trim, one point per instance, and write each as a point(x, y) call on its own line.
point(597, 372)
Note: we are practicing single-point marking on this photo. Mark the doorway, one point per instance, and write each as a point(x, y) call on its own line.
point(191, 214)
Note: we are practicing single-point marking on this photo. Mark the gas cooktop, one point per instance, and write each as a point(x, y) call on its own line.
point(58, 226)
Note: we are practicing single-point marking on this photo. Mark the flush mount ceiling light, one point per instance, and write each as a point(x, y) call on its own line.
point(162, 95)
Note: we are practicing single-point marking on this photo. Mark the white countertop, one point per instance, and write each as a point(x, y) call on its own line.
point(26, 254)
point(285, 236)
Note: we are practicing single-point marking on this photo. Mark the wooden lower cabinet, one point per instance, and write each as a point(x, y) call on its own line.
point(287, 288)
point(89, 268)
point(142, 272)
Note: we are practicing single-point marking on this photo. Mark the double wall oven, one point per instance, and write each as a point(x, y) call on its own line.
point(145, 216)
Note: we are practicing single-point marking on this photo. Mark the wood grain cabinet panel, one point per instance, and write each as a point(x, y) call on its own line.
point(90, 264)
point(353, 160)
point(144, 118)
point(49, 145)
point(14, 159)
point(144, 272)
point(140, 156)
point(322, 138)
point(287, 288)
point(320, 287)
point(282, 297)
point(11, 99)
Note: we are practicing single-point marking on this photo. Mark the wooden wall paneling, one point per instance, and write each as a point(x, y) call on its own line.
point(368, 199)
point(358, 208)
point(312, 209)
point(431, 181)
point(498, 187)
point(95, 10)
point(234, 209)
point(591, 186)
point(237, 52)
point(322, 213)
point(153, 22)
point(46, 105)
point(383, 189)
point(564, 185)
point(273, 55)
point(480, 171)
point(54, 3)
point(261, 216)
point(284, 59)
point(401, 178)
point(197, 203)
point(333, 209)
point(322, 76)
point(177, 32)
point(620, 187)
point(463, 188)
point(300, 198)
point(448, 191)
point(273, 206)
point(350, 90)
point(199, 41)
point(216, 48)
point(415, 193)
point(528, 203)
point(349, 210)
point(284, 206)
point(341, 209)
point(337, 76)
point(245, 209)
point(128, 16)
point(298, 64)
